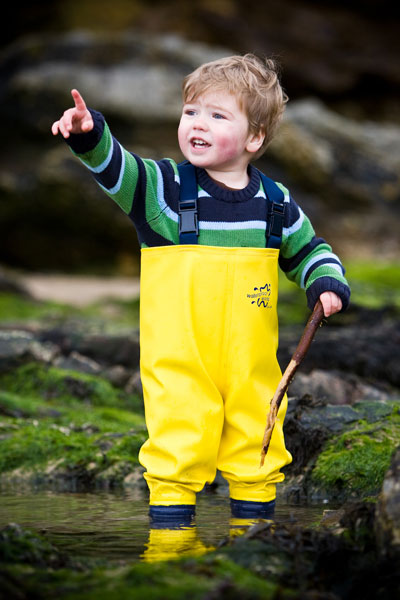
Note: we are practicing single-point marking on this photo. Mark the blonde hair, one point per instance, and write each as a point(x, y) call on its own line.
point(255, 83)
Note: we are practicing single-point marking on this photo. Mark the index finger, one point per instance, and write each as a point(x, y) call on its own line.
point(79, 101)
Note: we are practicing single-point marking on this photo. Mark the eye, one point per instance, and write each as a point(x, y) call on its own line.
point(189, 112)
point(218, 116)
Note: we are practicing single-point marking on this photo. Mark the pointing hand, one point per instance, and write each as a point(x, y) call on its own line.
point(74, 120)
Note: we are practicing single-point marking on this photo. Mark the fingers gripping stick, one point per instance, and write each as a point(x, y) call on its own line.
point(313, 323)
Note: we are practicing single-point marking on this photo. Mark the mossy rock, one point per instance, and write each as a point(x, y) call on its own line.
point(46, 453)
point(18, 545)
point(50, 382)
point(67, 429)
point(43, 571)
point(354, 463)
point(266, 562)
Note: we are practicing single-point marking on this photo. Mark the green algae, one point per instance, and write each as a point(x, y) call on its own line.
point(103, 418)
point(18, 545)
point(14, 307)
point(52, 382)
point(374, 284)
point(65, 396)
point(211, 577)
point(78, 422)
point(355, 462)
point(66, 386)
point(38, 447)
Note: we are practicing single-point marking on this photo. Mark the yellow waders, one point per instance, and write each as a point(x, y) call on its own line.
point(209, 336)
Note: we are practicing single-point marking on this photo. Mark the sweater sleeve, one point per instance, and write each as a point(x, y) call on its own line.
point(308, 260)
point(139, 186)
point(114, 169)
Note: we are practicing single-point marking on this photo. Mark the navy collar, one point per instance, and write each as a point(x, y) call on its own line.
point(222, 193)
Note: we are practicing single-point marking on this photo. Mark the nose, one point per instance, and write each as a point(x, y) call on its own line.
point(200, 122)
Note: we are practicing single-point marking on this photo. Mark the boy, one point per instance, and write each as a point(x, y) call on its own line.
point(208, 321)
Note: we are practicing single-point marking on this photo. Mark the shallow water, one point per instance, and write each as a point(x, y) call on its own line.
point(114, 526)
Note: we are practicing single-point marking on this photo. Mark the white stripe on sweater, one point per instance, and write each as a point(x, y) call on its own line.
point(315, 259)
point(226, 226)
point(115, 189)
point(105, 162)
point(287, 231)
point(160, 196)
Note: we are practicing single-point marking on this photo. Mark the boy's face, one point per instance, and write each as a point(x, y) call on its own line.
point(214, 133)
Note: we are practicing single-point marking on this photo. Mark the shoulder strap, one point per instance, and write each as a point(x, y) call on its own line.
point(187, 209)
point(276, 212)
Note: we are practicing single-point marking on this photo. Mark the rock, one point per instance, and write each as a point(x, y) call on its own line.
point(135, 479)
point(373, 411)
point(387, 525)
point(53, 466)
point(333, 418)
point(332, 518)
point(339, 559)
point(335, 387)
point(131, 75)
point(344, 49)
point(362, 158)
point(308, 424)
point(347, 50)
point(111, 349)
point(11, 285)
point(19, 347)
point(369, 351)
point(19, 545)
point(106, 349)
point(315, 430)
point(118, 375)
point(134, 384)
point(77, 362)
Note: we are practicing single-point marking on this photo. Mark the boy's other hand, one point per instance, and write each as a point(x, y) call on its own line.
point(74, 120)
point(331, 303)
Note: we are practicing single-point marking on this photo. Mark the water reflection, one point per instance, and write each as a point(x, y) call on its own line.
point(166, 544)
point(115, 526)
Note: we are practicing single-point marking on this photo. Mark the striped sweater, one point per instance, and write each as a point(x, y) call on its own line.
point(148, 192)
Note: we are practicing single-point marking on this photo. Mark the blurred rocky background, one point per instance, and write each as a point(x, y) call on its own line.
point(338, 149)
point(71, 406)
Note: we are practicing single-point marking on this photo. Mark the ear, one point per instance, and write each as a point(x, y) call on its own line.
point(255, 141)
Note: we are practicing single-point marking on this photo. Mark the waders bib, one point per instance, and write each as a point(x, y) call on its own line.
point(209, 335)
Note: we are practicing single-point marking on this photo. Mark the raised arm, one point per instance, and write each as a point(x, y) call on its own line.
point(137, 185)
point(74, 120)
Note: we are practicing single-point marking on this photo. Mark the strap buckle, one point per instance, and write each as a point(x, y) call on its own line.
point(188, 219)
point(276, 217)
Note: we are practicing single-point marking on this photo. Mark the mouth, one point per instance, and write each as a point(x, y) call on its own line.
point(199, 143)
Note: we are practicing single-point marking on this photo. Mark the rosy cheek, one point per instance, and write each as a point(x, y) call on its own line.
point(181, 136)
point(227, 147)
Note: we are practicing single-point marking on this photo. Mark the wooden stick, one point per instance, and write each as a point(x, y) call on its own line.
point(309, 331)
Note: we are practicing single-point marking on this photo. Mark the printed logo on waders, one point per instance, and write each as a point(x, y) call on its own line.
point(261, 296)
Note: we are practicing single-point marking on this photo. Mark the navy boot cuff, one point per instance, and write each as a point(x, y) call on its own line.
point(176, 515)
point(245, 509)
